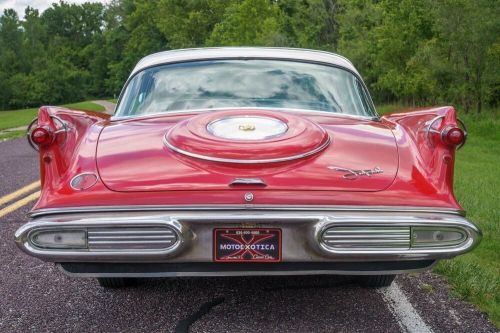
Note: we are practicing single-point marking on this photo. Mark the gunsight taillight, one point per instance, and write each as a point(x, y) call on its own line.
point(42, 136)
point(453, 136)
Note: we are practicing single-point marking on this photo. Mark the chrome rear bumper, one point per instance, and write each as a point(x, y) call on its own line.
point(303, 234)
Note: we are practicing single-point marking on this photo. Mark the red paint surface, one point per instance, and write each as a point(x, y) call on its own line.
point(135, 168)
point(139, 161)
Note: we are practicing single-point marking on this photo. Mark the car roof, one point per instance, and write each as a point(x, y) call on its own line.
point(183, 55)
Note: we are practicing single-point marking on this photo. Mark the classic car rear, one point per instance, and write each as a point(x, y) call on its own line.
point(245, 161)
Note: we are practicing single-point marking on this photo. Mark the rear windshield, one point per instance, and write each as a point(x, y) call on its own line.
point(222, 84)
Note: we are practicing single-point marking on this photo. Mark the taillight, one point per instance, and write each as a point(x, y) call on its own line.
point(41, 136)
point(453, 136)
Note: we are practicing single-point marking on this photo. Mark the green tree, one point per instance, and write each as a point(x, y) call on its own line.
point(311, 23)
point(250, 22)
point(138, 34)
point(188, 23)
point(357, 21)
point(11, 56)
point(468, 35)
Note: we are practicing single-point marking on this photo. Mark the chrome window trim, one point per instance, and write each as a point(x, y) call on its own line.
point(238, 161)
point(245, 207)
point(242, 53)
point(181, 112)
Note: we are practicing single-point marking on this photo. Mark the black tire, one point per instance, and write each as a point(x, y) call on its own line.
point(377, 281)
point(115, 283)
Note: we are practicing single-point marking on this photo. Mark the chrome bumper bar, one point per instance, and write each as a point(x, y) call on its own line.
point(302, 232)
point(153, 270)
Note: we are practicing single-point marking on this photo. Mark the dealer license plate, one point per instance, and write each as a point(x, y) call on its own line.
point(247, 245)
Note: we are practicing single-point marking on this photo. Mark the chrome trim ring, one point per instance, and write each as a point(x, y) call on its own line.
point(430, 129)
point(64, 129)
point(28, 135)
point(464, 128)
point(280, 127)
point(83, 174)
point(238, 161)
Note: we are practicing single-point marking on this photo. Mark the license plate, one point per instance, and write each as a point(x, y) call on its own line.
point(247, 245)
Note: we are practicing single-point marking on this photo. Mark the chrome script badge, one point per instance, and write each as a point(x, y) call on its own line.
point(353, 174)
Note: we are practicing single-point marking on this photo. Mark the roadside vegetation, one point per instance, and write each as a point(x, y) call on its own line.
point(476, 275)
point(12, 120)
point(417, 52)
point(86, 106)
point(17, 118)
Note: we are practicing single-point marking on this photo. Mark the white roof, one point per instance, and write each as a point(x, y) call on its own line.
point(183, 55)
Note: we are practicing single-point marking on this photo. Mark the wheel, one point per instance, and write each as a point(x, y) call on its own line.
point(377, 281)
point(116, 282)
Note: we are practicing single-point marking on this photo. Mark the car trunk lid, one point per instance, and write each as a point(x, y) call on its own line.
point(177, 153)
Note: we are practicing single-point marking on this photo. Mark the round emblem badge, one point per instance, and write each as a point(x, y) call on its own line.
point(249, 196)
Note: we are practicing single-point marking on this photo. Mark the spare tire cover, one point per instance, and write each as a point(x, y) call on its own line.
point(247, 136)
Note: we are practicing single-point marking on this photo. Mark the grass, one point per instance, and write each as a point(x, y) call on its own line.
point(87, 106)
point(476, 275)
point(4, 136)
point(18, 118)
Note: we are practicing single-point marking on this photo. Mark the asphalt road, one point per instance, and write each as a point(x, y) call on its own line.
point(37, 297)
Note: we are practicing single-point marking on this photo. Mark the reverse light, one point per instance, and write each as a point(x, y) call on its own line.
point(59, 239)
point(453, 136)
point(434, 237)
point(41, 136)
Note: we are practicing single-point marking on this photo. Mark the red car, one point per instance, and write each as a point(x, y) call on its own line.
point(246, 161)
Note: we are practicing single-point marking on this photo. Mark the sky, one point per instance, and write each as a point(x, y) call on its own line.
point(41, 5)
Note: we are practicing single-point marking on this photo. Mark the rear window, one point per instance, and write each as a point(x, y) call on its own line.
point(223, 84)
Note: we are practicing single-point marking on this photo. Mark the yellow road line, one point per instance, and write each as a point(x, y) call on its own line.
point(19, 192)
point(19, 204)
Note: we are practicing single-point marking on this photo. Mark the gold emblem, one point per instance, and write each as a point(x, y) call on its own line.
point(246, 127)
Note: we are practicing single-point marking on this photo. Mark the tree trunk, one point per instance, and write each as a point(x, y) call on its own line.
point(467, 85)
point(479, 92)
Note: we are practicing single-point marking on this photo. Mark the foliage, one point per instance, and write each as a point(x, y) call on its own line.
point(413, 52)
point(251, 22)
point(18, 118)
point(425, 52)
